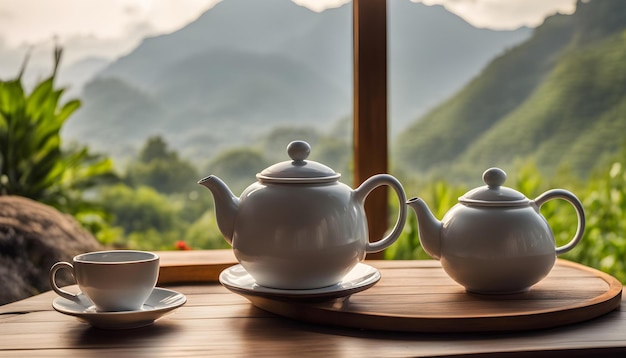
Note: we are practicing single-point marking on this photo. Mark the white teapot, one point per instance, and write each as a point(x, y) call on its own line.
point(297, 226)
point(495, 240)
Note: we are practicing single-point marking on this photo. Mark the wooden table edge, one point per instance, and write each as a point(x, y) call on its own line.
point(204, 266)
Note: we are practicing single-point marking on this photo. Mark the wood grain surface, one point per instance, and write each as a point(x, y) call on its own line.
point(215, 322)
point(418, 296)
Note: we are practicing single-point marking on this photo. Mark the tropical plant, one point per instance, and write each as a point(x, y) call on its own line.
point(32, 161)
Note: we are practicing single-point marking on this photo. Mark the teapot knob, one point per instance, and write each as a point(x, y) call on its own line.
point(298, 150)
point(494, 177)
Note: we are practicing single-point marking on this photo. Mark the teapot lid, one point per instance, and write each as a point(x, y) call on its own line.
point(493, 193)
point(298, 169)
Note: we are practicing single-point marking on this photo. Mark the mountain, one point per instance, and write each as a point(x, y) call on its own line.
point(432, 54)
point(246, 66)
point(558, 99)
point(76, 75)
point(231, 24)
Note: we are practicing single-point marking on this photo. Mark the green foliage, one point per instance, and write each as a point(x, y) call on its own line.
point(156, 205)
point(238, 167)
point(155, 149)
point(141, 218)
point(604, 243)
point(204, 233)
point(162, 169)
point(99, 224)
point(440, 197)
point(32, 162)
point(139, 209)
point(152, 239)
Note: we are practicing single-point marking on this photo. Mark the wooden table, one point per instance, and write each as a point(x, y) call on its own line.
point(217, 322)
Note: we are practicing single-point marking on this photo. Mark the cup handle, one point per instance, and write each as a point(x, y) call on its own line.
point(365, 188)
point(580, 212)
point(53, 271)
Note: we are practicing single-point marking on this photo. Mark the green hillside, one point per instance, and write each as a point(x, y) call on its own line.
point(558, 99)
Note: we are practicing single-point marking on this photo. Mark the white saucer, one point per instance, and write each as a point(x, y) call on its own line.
point(361, 277)
point(160, 302)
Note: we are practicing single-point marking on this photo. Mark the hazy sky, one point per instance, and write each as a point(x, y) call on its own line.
point(36, 20)
point(110, 28)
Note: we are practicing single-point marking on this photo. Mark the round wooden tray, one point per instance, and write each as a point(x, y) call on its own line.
point(418, 296)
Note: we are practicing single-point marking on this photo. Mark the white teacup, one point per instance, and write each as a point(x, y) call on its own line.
point(118, 280)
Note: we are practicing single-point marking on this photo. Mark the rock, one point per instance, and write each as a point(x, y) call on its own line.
point(34, 236)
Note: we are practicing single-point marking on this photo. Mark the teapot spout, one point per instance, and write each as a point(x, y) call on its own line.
point(226, 205)
point(429, 227)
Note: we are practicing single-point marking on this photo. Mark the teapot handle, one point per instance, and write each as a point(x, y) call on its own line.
point(361, 194)
point(578, 206)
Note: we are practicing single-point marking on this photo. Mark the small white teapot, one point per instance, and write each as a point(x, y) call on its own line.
point(297, 226)
point(495, 240)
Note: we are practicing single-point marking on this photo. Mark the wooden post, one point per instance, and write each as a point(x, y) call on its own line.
point(370, 106)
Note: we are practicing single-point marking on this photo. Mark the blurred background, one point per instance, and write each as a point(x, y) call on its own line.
point(150, 96)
